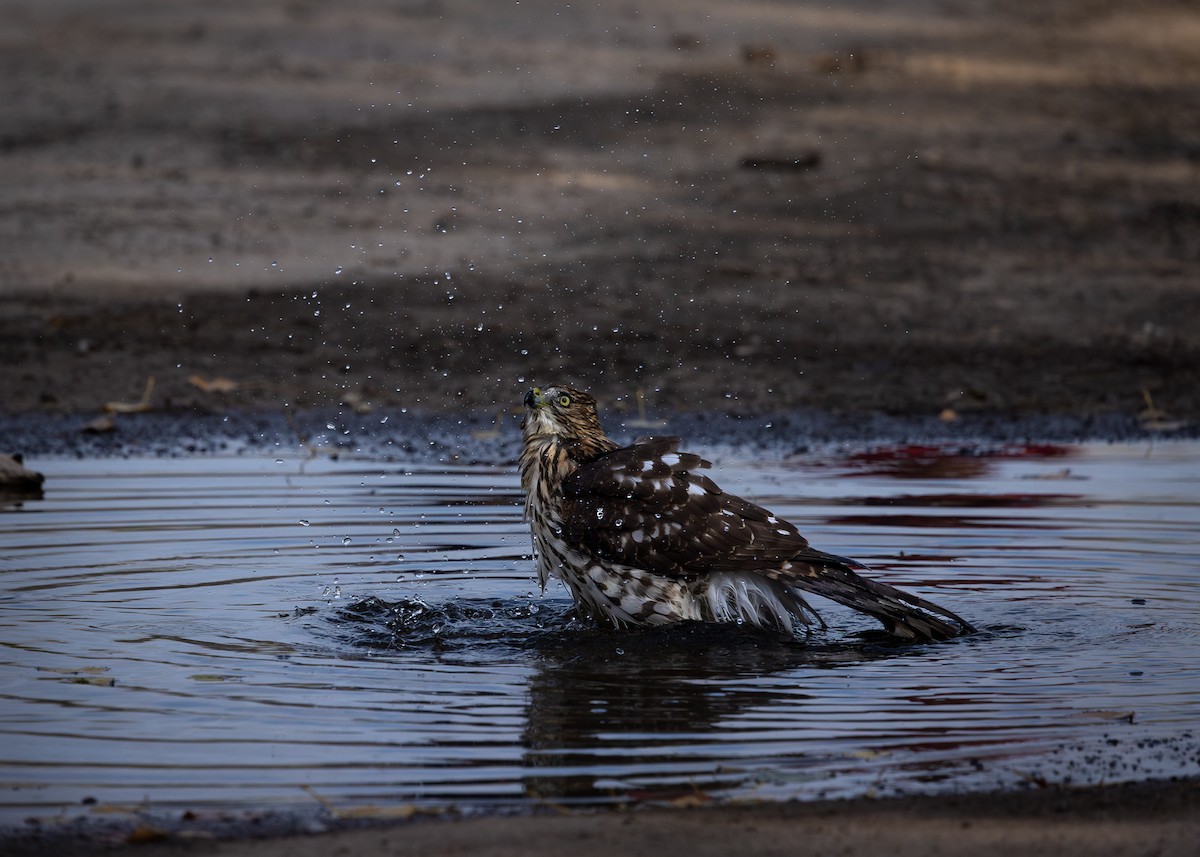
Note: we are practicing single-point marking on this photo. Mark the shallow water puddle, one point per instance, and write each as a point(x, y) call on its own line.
point(256, 632)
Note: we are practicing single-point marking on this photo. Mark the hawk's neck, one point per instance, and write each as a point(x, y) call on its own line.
point(547, 459)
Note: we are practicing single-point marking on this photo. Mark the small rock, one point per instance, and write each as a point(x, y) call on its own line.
point(836, 63)
point(760, 53)
point(16, 478)
point(686, 41)
point(100, 425)
point(803, 159)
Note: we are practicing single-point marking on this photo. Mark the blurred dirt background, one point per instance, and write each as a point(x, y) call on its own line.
point(927, 207)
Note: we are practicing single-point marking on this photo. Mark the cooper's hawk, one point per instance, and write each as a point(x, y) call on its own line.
point(641, 537)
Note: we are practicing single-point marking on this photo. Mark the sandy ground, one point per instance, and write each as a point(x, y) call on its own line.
point(985, 210)
point(870, 206)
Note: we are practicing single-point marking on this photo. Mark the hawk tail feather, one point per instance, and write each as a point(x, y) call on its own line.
point(757, 600)
point(903, 614)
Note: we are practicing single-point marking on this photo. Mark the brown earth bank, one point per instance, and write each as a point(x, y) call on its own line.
point(991, 207)
point(1159, 818)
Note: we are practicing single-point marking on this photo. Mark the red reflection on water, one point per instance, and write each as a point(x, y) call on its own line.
point(936, 521)
point(924, 461)
point(1011, 500)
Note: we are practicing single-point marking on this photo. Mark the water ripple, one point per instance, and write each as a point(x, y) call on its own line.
point(205, 633)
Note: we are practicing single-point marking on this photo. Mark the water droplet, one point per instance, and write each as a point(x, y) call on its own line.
point(303, 522)
point(346, 540)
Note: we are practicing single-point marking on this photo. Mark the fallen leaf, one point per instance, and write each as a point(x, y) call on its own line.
point(100, 425)
point(1164, 425)
point(641, 420)
point(73, 670)
point(1065, 473)
point(866, 755)
point(214, 385)
point(126, 407)
point(406, 810)
point(370, 811)
point(677, 798)
point(357, 402)
point(144, 833)
point(133, 407)
point(86, 675)
point(1104, 715)
point(94, 680)
point(1152, 418)
point(697, 799)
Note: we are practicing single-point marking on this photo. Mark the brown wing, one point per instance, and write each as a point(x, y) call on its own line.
point(646, 506)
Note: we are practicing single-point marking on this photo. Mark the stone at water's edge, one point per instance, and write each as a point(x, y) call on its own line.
point(18, 480)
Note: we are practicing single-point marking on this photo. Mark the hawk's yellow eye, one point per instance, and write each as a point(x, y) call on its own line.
point(564, 400)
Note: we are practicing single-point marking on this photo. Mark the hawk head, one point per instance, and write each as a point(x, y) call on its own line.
point(566, 412)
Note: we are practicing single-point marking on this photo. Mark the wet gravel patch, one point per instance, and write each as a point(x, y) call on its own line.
point(479, 438)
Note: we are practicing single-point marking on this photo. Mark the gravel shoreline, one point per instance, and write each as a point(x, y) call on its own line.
point(483, 438)
point(1159, 817)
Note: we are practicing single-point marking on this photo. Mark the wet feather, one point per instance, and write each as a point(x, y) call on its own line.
point(641, 536)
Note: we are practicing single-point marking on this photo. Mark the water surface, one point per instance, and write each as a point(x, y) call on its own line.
point(247, 631)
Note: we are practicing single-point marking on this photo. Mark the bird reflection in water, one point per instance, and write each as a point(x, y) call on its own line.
point(624, 716)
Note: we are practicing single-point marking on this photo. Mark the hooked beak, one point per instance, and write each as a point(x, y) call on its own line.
point(535, 398)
